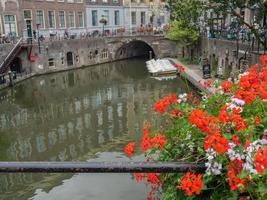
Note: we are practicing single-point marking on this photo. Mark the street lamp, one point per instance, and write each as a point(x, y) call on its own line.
point(38, 36)
point(104, 22)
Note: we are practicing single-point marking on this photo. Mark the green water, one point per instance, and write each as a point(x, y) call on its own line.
point(87, 114)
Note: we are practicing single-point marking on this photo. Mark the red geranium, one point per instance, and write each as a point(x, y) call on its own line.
point(191, 184)
point(226, 86)
point(260, 158)
point(129, 148)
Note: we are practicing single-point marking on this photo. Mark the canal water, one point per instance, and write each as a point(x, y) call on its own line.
point(84, 115)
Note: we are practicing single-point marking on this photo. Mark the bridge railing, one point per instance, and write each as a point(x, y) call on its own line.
point(58, 37)
point(10, 54)
point(99, 167)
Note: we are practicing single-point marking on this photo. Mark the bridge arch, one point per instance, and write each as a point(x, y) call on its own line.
point(134, 48)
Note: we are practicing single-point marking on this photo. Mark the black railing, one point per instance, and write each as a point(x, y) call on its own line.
point(99, 167)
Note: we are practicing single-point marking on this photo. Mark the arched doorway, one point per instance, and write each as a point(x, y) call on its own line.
point(16, 65)
point(135, 48)
point(69, 58)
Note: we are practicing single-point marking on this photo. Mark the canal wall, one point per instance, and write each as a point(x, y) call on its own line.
point(69, 54)
point(59, 55)
point(222, 55)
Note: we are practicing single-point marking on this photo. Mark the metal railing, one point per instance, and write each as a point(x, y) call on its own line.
point(11, 53)
point(99, 167)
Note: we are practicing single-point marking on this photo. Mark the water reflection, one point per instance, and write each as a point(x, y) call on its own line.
point(72, 115)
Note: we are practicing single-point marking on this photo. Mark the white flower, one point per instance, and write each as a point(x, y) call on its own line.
point(204, 97)
point(237, 101)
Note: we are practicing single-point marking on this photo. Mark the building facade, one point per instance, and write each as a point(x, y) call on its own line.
point(145, 12)
point(26, 17)
point(100, 11)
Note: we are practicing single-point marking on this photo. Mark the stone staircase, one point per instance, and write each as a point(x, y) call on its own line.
point(9, 53)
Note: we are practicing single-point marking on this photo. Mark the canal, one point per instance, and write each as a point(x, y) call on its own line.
point(88, 115)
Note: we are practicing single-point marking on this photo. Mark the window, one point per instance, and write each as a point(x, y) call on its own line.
point(40, 18)
point(62, 19)
point(79, 1)
point(143, 18)
point(70, 1)
point(106, 16)
point(104, 54)
point(71, 19)
point(115, 1)
point(10, 25)
point(94, 17)
point(117, 17)
point(93, 1)
point(51, 19)
point(51, 62)
point(105, 1)
point(133, 14)
point(80, 19)
point(27, 14)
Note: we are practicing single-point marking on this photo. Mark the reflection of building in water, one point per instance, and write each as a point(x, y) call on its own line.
point(101, 110)
point(76, 112)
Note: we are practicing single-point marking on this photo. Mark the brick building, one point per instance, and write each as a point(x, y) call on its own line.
point(22, 17)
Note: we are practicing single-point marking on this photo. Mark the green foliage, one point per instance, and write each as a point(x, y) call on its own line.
point(181, 32)
point(185, 15)
point(188, 60)
point(185, 10)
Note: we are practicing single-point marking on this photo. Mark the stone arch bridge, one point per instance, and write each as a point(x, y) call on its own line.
point(57, 55)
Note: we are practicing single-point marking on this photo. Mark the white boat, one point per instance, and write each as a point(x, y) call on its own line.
point(160, 67)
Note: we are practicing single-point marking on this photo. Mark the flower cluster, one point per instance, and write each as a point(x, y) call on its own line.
point(180, 68)
point(129, 148)
point(191, 183)
point(162, 104)
point(226, 131)
point(260, 158)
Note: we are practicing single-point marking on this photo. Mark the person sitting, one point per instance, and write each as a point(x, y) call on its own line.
point(66, 34)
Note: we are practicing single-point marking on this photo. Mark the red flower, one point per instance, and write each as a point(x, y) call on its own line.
point(162, 104)
point(236, 183)
point(204, 122)
point(226, 86)
point(180, 68)
point(176, 113)
point(218, 143)
point(191, 184)
point(158, 141)
point(260, 159)
point(235, 139)
point(129, 148)
point(145, 143)
point(207, 83)
point(247, 143)
point(263, 60)
point(153, 179)
point(257, 120)
point(138, 177)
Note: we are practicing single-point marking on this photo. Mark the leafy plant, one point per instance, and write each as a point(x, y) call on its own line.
point(225, 130)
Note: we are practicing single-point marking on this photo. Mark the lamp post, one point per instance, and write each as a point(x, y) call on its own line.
point(130, 17)
point(104, 22)
point(38, 36)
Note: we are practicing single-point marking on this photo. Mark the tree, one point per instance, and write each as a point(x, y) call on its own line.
point(182, 33)
point(185, 16)
point(232, 7)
